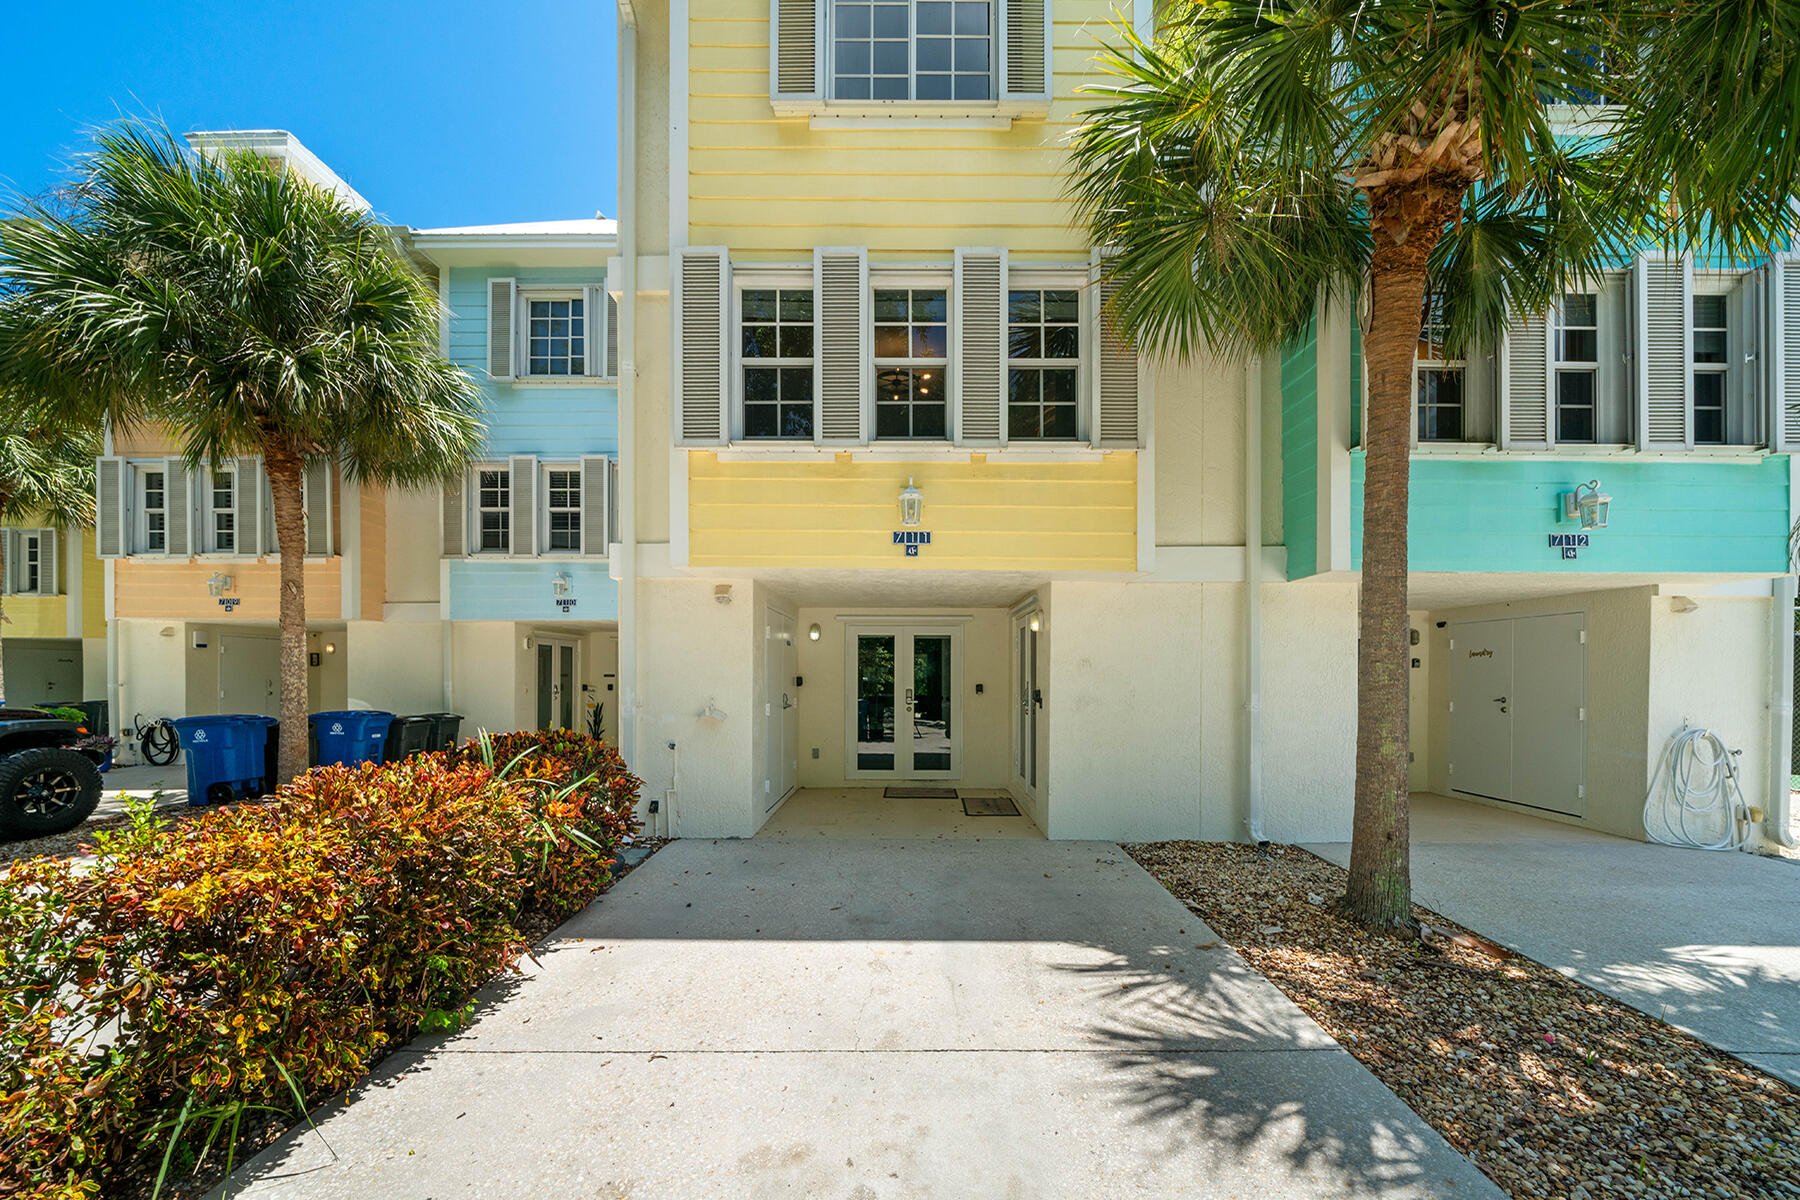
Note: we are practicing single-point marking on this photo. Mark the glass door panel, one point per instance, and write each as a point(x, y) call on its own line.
point(931, 702)
point(546, 659)
point(875, 711)
point(565, 686)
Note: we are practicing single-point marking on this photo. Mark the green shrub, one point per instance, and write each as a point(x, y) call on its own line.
point(208, 968)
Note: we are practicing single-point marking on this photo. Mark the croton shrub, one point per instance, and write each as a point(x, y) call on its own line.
point(195, 972)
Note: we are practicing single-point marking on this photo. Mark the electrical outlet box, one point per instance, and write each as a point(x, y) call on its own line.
point(815, 752)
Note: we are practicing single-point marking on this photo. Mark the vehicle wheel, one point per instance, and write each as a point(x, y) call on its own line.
point(159, 745)
point(46, 790)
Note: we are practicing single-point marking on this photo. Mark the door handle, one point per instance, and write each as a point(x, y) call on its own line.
point(1499, 699)
point(785, 702)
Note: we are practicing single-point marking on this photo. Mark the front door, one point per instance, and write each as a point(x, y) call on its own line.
point(1481, 675)
point(1026, 703)
point(781, 666)
point(249, 674)
point(556, 686)
point(904, 717)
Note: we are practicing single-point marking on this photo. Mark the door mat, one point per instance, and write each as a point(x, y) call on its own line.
point(989, 804)
point(919, 793)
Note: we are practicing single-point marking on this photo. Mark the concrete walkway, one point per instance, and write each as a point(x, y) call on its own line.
point(862, 1019)
point(1708, 941)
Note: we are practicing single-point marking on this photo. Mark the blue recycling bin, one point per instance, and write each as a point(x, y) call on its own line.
point(225, 755)
point(351, 737)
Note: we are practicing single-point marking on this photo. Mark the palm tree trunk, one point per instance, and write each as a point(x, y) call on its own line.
point(285, 469)
point(1379, 893)
point(2, 620)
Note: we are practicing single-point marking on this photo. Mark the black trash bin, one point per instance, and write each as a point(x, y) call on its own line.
point(271, 756)
point(408, 736)
point(445, 728)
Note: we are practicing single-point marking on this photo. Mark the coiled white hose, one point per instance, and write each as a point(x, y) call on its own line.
point(1703, 806)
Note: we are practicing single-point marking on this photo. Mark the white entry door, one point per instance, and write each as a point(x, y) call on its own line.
point(781, 666)
point(904, 719)
point(1027, 701)
point(1518, 692)
point(249, 675)
point(558, 686)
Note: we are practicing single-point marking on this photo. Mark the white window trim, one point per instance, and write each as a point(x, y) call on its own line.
point(754, 279)
point(1740, 406)
point(1560, 366)
point(995, 31)
point(15, 562)
point(523, 295)
point(140, 512)
point(922, 282)
point(545, 467)
point(209, 512)
point(473, 508)
point(1087, 299)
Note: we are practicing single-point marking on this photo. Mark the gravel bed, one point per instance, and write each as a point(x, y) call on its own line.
point(1551, 1088)
point(77, 841)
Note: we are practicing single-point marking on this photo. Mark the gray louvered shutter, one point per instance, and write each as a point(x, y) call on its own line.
point(178, 505)
point(1662, 352)
point(612, 336)
point(317, 495)
point(523, 477)
point(246, 483)
point(110, 479)
point(596, 488)
point(49, 562)
point(11, 547)
point(1525, 403)
point(702, 284)
point(841, 338)
point(1027, 57)
point(593, 310)
point(796, 67)
point(502, 295)
point(456, 542)
point(978, 346)
point(1781, 352)
point(1116, 374)
point(613, 521)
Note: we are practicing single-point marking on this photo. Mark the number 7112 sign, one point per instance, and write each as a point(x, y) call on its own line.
point(1569, 543)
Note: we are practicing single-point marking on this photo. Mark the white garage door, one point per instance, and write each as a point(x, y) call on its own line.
point(1518, 710)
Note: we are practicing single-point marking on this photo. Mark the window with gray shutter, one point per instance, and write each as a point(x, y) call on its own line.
point(456, 543)
point(612, 337)
point(978, 345)
point(1027, 58)
point(795, 33)
point(1781, 339)
point(1116, 391)
point(596, 525)
point(250, 534)
point(49, 563)
point(177, 509)
point(1661, 351)
point(841, 290)
point(702, 284)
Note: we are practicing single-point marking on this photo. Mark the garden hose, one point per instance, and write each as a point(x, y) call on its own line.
point(1702, 805)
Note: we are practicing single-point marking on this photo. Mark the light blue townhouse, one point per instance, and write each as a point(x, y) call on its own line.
point(1598, 533)
point(497, 586)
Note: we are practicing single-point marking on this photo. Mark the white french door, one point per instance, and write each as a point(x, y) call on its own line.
point(557, 687)
point(904, 688)
point(1027, 702)
point(781, 664)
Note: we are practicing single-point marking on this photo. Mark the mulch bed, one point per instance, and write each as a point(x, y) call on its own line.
point(1550, 1087)
point(78, 840)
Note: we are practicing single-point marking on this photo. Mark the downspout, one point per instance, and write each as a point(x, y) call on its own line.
point(1778, 826)
point(627, 386)
point(115, 689)
point(1253, 573)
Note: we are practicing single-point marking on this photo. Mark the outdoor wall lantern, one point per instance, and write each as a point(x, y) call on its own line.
point(331, 647)
point(1037, 620)
point(219, 584)
point(912, 504)
point(813, 633)
point(561, 583)
point(1587, 504)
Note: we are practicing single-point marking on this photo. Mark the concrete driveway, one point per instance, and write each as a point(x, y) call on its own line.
point(868, 1019)
point(1708, 941)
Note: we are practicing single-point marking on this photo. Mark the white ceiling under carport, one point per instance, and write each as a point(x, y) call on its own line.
point(1466, 589)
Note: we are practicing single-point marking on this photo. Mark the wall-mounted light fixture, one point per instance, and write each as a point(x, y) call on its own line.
point(1587, 504)
point(560, 583)
point(1037, 620)
point(219, 584)
point(1683, 604)
point(722, 593)
point(813, 633)
point(912, 504)
point(331, 647)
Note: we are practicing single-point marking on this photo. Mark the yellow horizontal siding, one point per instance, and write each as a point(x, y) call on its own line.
point(37, 616)
point(93, 589)
point(178, 591)
point(1077, 516)
point(767, 185)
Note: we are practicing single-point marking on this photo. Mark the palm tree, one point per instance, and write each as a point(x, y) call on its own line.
point(1259, 158)
point(46, 475)
point(249, 312)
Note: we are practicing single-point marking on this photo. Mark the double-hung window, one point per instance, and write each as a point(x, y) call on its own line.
point(1440, 379)
point(1043, 349)
point(31, 565)
point(493, 510)
point(912, 348)
point(221, 530)
point(562, 497)
point(912, 50)
point(1711, 365)
point(555, 334)
point(153, 512)
point(776, 348)
point(1575, 362)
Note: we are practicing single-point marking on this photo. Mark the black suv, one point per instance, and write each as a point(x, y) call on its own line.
point(46, 786)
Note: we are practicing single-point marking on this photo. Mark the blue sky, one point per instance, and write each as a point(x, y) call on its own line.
point(455, 112)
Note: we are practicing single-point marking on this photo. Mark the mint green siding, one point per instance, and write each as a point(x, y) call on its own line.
point(1300, 453)
point(1495, 514)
